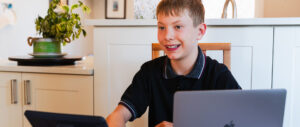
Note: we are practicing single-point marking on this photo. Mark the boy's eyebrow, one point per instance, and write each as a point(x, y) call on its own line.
point(159, 23)
point(175, 22)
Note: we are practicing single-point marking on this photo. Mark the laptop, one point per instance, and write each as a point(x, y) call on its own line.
point(229, 108)
point(47, 119)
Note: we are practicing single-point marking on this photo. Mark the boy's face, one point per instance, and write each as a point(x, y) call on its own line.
point(177, 35)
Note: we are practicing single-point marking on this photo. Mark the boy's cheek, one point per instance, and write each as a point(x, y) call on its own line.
point(160, 37)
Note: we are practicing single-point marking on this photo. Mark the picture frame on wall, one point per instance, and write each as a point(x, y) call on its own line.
point(115, 9)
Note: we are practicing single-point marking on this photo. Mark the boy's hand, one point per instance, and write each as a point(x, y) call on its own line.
point(164, 124)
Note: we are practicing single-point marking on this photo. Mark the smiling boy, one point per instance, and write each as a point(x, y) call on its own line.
point(185, 67)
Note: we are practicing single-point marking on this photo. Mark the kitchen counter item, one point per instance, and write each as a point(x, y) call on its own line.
point(33, 61)
point(82, 67)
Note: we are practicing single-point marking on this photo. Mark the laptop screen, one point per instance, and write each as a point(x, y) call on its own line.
point(47, 119)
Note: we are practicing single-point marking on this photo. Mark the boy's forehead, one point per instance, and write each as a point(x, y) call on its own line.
point(182, 16)
point(173, 12)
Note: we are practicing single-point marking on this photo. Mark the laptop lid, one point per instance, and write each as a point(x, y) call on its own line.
point(47, 119)
point(229, 108)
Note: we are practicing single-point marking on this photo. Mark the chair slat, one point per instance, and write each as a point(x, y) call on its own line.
point(226, 47)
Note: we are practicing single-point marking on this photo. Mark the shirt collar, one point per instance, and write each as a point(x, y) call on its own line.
point(196, 72)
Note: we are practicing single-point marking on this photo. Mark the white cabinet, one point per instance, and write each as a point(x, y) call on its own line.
point(10, 99)
point(286, 70)
point(251, 53)
point(116, 61)
point(263, 56)
point(44, 92)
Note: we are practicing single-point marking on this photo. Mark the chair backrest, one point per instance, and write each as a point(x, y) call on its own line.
point(225, 47)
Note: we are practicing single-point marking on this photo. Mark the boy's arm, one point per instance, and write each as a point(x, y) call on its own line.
point(118, 117)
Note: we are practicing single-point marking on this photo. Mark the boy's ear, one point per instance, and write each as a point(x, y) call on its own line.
point(201, 30)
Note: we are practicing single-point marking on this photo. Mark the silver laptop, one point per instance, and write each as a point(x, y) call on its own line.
point(229, 108)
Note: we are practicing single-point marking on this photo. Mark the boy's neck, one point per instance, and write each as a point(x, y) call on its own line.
point(185, 66)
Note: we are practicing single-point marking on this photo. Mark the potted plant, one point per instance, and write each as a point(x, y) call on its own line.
point(57, 28)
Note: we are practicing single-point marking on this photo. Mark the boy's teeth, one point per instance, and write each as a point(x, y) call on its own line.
point(173, 46)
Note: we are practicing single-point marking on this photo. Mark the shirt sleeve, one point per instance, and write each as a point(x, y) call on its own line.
point(225, 79)
point(136, 96)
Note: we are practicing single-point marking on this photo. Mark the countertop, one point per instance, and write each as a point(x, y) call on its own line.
point(83, 67)
point(209, 22)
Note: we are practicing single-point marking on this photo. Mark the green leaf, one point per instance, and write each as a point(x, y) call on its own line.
point(77, 26)
point(61, 25)
point(65, 8)
point(80, 3)
point(84, 32)
point(64, 43)
point(79, 32)
point(74, 6)
point(86, 9)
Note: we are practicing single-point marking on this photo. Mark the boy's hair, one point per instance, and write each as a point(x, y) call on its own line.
point(176, 7)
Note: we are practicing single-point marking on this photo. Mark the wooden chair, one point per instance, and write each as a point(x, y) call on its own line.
point(226, 47)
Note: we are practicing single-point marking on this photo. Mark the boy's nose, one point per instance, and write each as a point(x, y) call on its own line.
point(169, 35)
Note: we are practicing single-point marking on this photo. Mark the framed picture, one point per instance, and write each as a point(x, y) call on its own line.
point(115, 9)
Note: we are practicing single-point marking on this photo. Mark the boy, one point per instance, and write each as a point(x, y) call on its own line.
point(185, 67)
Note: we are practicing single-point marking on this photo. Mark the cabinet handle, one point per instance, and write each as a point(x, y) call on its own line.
point(27, 95)
point(14, 95)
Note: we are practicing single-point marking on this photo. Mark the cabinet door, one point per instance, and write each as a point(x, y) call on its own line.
point(251, 53)
point(10, 100)
point(286, 70)
point(117, 59)
point(58, 93)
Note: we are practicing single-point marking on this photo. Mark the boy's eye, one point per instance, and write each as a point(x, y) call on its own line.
point(178, 27)
point(161, 27)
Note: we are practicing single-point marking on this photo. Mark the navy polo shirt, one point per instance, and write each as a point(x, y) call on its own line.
point(156, 82)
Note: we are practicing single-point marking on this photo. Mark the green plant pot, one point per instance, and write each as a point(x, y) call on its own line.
point(44, 47)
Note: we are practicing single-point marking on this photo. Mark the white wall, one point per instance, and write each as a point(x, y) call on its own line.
point(259, 8)
point(13, 39)
point(278, 8)
point(282, 8)
point(84, 45)
point(98, 9)
point(214, 8)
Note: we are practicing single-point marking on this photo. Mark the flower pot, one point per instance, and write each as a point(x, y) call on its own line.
point(44, 47)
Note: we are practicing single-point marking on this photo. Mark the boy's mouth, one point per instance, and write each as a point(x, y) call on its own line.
point(172, 47)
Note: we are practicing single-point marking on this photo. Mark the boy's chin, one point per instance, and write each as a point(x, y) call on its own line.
point(173, 57)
